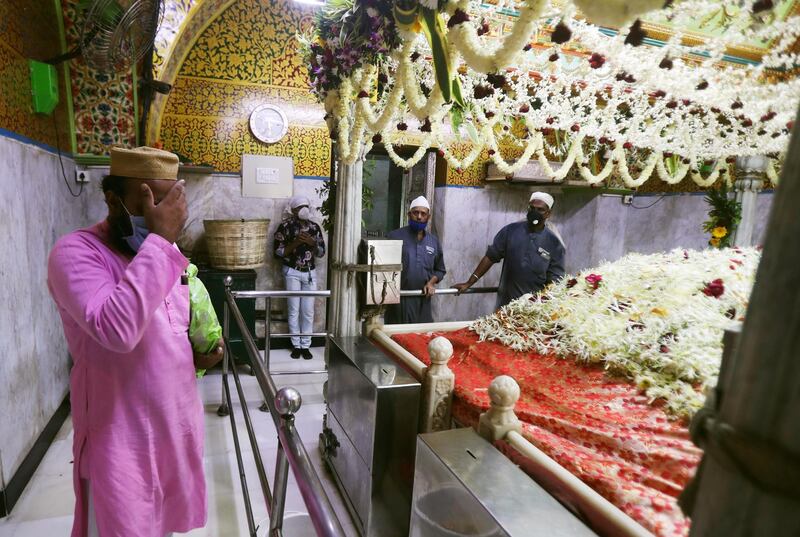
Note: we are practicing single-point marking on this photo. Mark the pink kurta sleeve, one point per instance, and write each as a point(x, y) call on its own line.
point(114, 314)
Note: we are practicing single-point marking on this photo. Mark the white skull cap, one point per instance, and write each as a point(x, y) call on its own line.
point(420, 202)
point(543, 196)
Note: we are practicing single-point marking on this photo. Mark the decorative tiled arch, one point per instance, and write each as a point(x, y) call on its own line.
point(184, 21)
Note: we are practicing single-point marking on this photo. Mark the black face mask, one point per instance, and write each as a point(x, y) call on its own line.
point(535, 217)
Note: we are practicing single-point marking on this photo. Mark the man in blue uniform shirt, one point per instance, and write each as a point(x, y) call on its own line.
point(423, 266)
point(533, 256)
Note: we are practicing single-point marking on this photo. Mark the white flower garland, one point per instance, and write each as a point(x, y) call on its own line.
point(534, 144)
point(489, 59)
point(705, 182)
point(624, 173)
point(592, 179)
point(379, 123)
point(566, 165)
point(671, 124)
point(669, 178)
point(422, 149)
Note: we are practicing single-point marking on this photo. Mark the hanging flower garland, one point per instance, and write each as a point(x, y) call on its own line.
point(420, 152)
point(644, 174)
point(672, 178)
point(495, 57)
point(533, 145)
point(608, 98)
point(593, 179)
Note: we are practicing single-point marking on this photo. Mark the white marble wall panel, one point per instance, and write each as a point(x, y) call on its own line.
point(594, 227)
point(573, 214)
point(36, 209)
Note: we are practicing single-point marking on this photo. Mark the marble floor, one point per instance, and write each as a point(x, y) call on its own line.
point(47, 503)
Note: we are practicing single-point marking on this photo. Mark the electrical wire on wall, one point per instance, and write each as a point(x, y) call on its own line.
point(661, 197)
point(61, 161)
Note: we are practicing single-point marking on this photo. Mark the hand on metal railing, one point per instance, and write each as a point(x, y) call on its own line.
point(450, 291)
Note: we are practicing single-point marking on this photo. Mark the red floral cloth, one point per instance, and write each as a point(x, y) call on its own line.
point(600, 429)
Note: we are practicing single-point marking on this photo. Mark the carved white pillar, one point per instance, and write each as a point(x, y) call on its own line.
point(438, 387)
point(496, 422)
point(344, 247)
point(749, 182)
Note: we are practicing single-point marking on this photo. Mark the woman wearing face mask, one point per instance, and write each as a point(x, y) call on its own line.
point(532, 254)
point(298, 241)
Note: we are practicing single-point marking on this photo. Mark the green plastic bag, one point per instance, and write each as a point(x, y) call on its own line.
point(204, 328)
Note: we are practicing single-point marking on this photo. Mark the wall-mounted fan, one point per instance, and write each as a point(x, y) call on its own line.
point(115, 34)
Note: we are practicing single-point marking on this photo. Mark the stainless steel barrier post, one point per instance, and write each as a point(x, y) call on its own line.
point(262, 474)
point(267, 344)
point(287, 403)
point(223, 409)
point(279, 500)
point(227, 401)
point(319, 507)
point(267, 332)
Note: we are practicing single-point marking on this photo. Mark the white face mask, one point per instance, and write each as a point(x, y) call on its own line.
point(304, 213)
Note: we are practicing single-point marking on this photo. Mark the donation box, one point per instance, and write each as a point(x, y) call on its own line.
point(464, 487)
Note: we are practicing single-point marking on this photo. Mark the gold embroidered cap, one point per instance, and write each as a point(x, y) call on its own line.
point(144, 163)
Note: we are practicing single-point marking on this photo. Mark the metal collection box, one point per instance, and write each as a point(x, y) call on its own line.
point(463, 486)
point(369, 438)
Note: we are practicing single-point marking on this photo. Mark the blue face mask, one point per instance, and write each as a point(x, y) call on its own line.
point(416, 227)
point(140, 231)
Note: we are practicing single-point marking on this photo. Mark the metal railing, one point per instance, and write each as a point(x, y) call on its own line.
point(450, 291)
point(282, 404)
point(269, 295)
point(268, 335)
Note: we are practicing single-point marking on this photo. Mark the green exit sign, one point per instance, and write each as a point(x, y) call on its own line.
point(44, 86)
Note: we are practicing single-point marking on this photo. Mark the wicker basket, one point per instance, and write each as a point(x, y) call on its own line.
point(236, 244)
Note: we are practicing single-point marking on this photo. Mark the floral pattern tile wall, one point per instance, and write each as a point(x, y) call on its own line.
point(103, 103)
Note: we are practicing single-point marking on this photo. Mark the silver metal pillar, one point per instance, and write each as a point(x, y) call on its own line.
point(346, 237)
point(749, 182)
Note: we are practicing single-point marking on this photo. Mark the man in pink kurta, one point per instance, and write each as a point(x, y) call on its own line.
point(137, 414)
